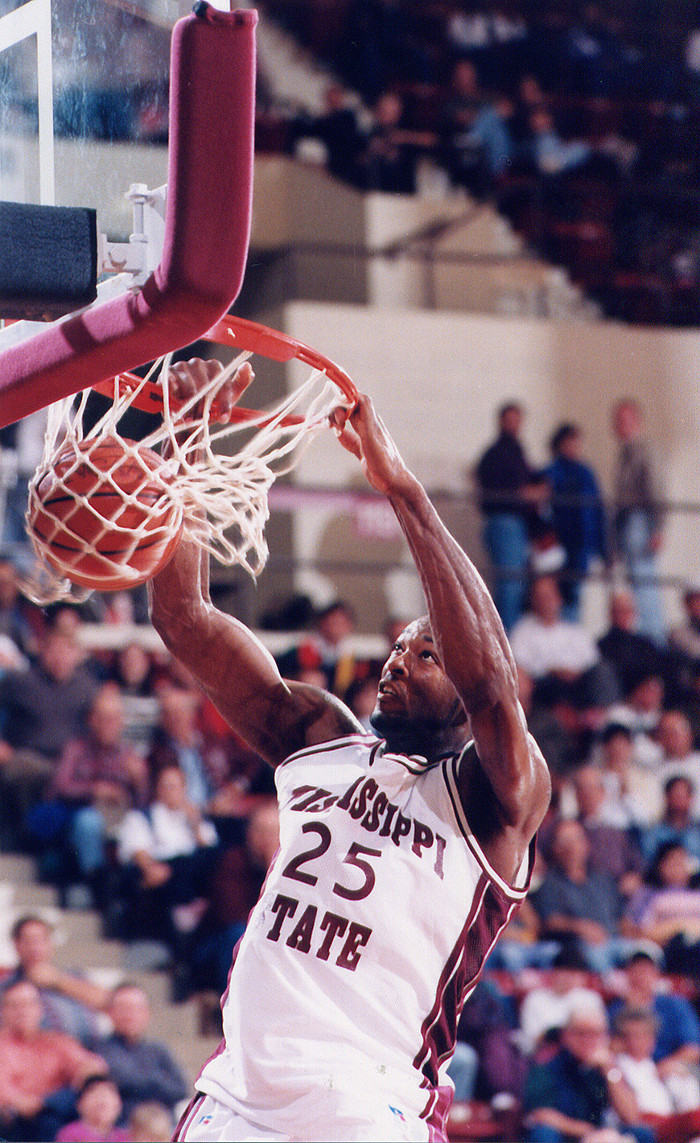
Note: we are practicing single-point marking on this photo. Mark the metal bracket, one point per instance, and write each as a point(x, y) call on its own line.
point(142, 253)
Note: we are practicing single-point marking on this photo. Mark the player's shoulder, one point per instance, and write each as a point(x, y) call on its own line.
point(356, 745)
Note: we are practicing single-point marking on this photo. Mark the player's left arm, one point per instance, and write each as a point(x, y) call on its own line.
point(506, 789)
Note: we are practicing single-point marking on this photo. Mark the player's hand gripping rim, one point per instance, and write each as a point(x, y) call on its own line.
point(362, 432)
point(188, 378)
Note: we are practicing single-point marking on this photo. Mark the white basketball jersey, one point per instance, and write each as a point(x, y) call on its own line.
point(372, 926)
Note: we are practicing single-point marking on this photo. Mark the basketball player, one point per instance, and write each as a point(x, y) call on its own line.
point(401, 857)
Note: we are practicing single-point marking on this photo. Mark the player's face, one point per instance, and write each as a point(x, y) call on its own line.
point(414, 689)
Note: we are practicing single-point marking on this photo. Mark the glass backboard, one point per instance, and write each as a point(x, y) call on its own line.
point(84, 101)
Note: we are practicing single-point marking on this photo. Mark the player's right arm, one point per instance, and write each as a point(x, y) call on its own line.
point(235, 670)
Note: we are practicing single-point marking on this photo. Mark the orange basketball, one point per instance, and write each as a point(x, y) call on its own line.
point(102, 515)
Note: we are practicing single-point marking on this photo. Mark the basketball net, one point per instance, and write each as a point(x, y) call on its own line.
point(218, 475)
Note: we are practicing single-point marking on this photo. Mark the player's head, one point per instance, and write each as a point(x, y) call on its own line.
point(418, 709)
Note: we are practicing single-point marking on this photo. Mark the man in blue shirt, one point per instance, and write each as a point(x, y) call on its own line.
point(678, 1029)
point(577, 513)
point(580, 1089)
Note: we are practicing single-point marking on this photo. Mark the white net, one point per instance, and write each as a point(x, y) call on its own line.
point(212, 480)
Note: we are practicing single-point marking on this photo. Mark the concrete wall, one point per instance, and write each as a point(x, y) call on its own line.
point(437, 379)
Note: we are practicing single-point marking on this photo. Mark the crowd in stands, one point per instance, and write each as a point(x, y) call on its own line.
point(578, 120)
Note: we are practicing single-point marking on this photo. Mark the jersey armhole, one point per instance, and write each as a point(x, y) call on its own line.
point(518, 890)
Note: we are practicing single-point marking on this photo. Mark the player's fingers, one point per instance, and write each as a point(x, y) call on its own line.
point(187, 378)
point(230, 393)
point(349, 439)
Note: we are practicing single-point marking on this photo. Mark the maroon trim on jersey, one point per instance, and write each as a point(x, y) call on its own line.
point(334, 744)
point(437, 1124)
point(187, 1117)
point(404, 759)
point(490, 911)
point(451, 775)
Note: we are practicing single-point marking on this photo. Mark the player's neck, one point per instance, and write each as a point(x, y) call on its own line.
point(426, 741)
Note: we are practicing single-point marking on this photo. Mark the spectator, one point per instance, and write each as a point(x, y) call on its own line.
point(142, 1069)
point(560, 656)
point(338, 129)
point(578, 906)
point(20, 620)
point(667, 911)
point(387, 162)
point(678, 820)
point(170, 848)
point(675, 737)
point(40, 709)
point(638, 516)
point(178, 742)
point(669, 1101)
point(99, 1108)
point(562, 747)
point(486, 1026)
point(476, 146)
point(623, 646)
point(546, 1009)
point(593, 54)
point(529, 97)
point(361, 697)
point(325, 649)
point(237, 879)
point(613, 852)
point(684, 640)
point(40, 1071)
point(633, 795)
point(70, 1002)
point(98, 778)
point(132, 671)
point(573, 1094)
point(640, 711)
point(577, 510)
point(151, 1122)
point(552, 155)
point(677, 1029)
point(509, 492)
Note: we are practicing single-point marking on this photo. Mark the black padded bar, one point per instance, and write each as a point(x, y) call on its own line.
point(48, 260)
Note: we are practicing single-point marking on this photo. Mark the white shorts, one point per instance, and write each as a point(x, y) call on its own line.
point(207, 1120)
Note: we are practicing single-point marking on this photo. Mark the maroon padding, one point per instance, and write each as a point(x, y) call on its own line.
point(210, 183)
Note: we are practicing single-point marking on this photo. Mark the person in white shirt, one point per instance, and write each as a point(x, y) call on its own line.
point(172, 848)
point(633, 790)
point(401, 859)
point(669, 1102)
point(560, 656)
point(640, 712)
point(547, 1009)
point(679, 759)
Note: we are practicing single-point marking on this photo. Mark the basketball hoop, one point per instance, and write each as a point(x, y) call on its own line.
point(218, 472)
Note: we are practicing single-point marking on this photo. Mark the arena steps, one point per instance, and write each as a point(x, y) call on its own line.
point(80, 944)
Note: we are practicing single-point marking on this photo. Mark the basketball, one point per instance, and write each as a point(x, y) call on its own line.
point(106, 521)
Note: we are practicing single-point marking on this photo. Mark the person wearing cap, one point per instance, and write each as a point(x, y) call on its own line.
point(677, 1026)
